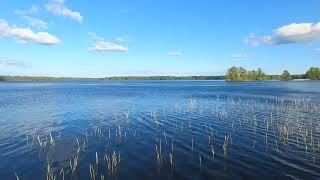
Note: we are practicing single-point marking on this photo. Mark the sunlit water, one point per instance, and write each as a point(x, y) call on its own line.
point(160, 129)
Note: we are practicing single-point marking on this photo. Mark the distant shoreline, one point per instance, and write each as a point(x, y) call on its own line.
point(129, 78)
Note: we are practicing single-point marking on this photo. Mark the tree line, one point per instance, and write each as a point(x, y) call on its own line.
point(233, 74)
point(114, 78)
point(165, 78)
point(241, 74)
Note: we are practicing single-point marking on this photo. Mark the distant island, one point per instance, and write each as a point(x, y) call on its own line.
point(233, 74)
point(241, 74)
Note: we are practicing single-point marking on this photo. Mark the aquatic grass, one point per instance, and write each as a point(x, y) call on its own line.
point(97, 159)
point(171, 161)
point(225, 145)
point(51, 139)
point(50, 173)
point(93, 172)
point(192, 144)
point(16, 175)
point(279, 125)
point(74, 163)
point(62, 173)
point(212, 151)
point(113, 163)
point(158, 155)
point(40, 141)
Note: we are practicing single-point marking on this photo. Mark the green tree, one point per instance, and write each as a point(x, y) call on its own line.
point(313, 73)
point(232, 74)
point(261, 75)
point(243, 75)
point(286, 76)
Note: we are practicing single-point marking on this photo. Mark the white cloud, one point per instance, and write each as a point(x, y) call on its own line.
point(26, 35)
point(32, 21)
point(175, 53)
point(58, 8)
point(35, 22)
point(104, 46)
point(33, 10)
point(121, 39)
point(100, 45)
point(292, 33)
point(240, 56)
point(10, 62)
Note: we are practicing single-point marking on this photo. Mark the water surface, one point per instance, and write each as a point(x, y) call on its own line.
point(160, 129)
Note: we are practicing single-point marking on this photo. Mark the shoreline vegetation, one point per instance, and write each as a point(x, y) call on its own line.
point(241, 74)
point(233, 74)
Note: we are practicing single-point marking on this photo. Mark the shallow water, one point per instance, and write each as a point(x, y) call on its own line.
point(256, 129)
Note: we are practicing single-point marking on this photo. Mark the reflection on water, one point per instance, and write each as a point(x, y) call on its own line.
point(159, 129)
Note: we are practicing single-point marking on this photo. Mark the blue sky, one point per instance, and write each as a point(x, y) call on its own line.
point(157, 37)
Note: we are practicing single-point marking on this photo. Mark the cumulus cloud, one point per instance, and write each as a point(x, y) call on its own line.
point(292, 33)
point(240, 56)
point(104, 46)
point(11, 62)
point(35, 22)
point(27, 14)
point(100, 45)
point(58, 8)
point(175, 53)
point(121, 39)
point(26, 34)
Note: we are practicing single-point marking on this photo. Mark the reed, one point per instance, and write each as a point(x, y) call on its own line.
point(171, 144)
point(83, 146)
point(113, 163)
point(62, 173)
point(127, 116)
point(51, 139)
point(93, 172)
point(212, 151)
point(171, 162)
point(40, 141)
point(74, 163)
point(225, 145)
point(108, 161)
point(78, 144)
point(158, 154)
point(192, 144)
point(50, 173)
point(16, 175)
point(97, 159)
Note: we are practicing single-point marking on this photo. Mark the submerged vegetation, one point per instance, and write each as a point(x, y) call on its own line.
point(269, 125)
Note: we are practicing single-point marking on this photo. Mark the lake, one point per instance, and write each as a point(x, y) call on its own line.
point(160, 130)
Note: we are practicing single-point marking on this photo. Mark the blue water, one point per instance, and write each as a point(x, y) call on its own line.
point(271, 129)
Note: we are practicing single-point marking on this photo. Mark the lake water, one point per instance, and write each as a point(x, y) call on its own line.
point(160, 130)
